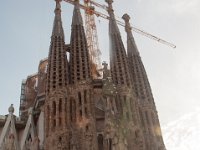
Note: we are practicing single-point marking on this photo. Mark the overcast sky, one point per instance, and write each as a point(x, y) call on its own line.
point(174, 74)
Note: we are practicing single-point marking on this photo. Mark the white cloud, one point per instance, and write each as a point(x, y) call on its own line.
point(183, 134)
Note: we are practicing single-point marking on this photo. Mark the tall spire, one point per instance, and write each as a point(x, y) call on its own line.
point(138, 73)
point(118, 58)
point(57, 60)
point(77, 18)
point(131, 45)
point(79, 55)
point(113, 28)
point(57, 27)
point(57, 80)
point(149, 118)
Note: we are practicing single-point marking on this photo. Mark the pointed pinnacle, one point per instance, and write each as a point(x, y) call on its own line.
point(58, 6)
point(109, 2)
point(126, 18)
point(77, 18)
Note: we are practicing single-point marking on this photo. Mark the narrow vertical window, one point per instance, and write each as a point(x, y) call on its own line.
point(100, 142)
point(66, 111)
point(71, 107)
point(54, 114)
point(141, 118)
point(60, 105)
point(85, 96)
point(48, 120)
point(72, 110)
point(147, 118)
point(110, 144)
point(54, 108)
point(79, 98)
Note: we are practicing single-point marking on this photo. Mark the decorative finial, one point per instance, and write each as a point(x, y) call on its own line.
point(11, 109)
point(106, 71)
point(126, 18)
point(58, 6)
point(109, 2)
point(30, 111)
point(105, 65)
point(110, 8)
point(76, 2)
point(77, 18)
point(58, 1)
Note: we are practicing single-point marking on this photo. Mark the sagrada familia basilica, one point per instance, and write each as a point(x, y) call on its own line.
point(63, 107)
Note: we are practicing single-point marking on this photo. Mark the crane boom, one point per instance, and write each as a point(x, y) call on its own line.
point(98, 5)
point(139, 31)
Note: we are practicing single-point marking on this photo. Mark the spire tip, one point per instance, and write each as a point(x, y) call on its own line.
point(11, 109)
point(109, 1)
point(58, 6)
point(126, 17)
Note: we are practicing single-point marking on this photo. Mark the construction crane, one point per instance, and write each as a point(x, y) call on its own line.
point(102, 15)
point(92, 38)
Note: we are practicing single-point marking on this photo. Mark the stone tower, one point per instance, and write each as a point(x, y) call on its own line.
point(69, 109)
point(148, 113)
point(79, 55)
point(128, 124)
point(55, 104)
point(82, 116)
point(118, 60)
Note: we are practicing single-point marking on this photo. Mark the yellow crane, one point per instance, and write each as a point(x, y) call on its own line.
point(99, 14)
point(91, 30)
point(92, 38)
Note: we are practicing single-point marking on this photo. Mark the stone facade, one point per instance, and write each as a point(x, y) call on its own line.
point(63, 107)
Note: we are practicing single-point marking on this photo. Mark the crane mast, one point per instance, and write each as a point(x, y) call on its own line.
point(92, 38)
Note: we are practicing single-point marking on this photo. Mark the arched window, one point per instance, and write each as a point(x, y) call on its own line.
point(54, 114)
point(71, 107)
point(119, 104)
point(147, 118)
point(125, 101)
point(60, 111)
point(153, 118)
point(112, 105)
point(65, 110)
point(109, 144)
point(141, 118)
point(86, 112)
point(81, 114)
point(79, 98)
point(127, 116)
point(48, 119)
point(85, 97)
point(137, 134)
point(100, 142)
point(54, 108)
point(60, 105)
point(133, 111)
point(72, 110)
